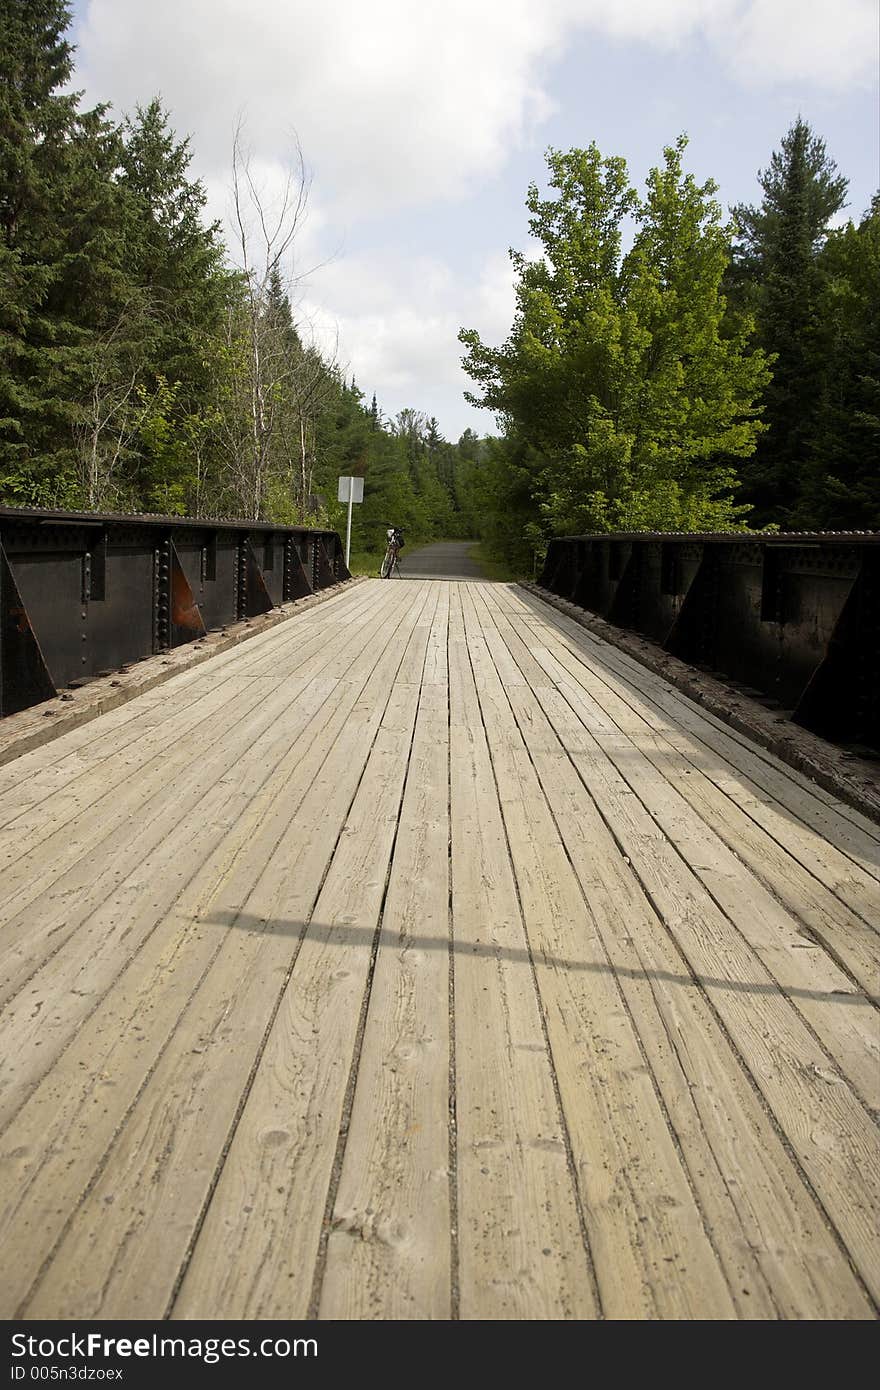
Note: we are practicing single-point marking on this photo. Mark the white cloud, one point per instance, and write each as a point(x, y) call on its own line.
point(806, 41)
point(395, 102)
point(394, 323)
point(402, 103)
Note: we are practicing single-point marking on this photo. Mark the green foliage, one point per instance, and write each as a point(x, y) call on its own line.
point(623, 397)
point(780, 276)
point(137, 371)
point(840, 488)
point(61, 264)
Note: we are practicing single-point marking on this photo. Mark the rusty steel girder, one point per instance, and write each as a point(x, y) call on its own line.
point(792, 617)
point(83, 594)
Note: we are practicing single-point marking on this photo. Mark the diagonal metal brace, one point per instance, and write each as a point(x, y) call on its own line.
point(24, 676)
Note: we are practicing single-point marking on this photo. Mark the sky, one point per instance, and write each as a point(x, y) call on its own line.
point(421, 125)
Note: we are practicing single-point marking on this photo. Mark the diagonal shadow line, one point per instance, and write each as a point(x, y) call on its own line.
point(343, 934)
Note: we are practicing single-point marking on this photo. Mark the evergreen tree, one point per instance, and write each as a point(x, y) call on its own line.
point(170, 252)
point(175, 264)
point(780, 276)
point(58, 265)
point(841, 486)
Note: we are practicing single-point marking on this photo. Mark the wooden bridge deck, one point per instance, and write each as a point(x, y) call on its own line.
point(425, 957)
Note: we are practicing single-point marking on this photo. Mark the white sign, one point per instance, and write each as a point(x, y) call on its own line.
point(350, 490)
point(354, 486)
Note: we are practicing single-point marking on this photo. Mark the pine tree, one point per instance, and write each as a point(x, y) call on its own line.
point(62, 258)
point(779, 275)
point(171, 254)
point(841, 488)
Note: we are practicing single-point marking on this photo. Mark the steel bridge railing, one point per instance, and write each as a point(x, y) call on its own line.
point(82, 594)
point(794, 617)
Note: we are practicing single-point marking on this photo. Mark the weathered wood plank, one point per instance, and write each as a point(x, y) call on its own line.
point(642, 1233)
point(816, 1110)
point(521, 1247)
point(839, 1014)
point(284, 836)
point(733, 1151)
point(256, 1251)
point(116, 907)
point(807, 804)
point(489, 978)
point(849, 940)
point(389, 1249)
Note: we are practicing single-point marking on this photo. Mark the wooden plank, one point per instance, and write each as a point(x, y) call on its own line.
point(756, 1203)
point(88, 762)
point(389, 1250)
point(104, 931)
point(521, 1246)
point(811, 806)
point(182, 1080)
point(845, 857)
point(102, 913)
point(813, 1105)
point(159, 754)
point(436, 671)
point(840, 1015)
point(642, 1233)
point(257, 1248)
point(36, 775)
point(853, 944)
point(247, 1111)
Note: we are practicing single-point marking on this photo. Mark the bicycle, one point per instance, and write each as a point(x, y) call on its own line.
point(391, 560)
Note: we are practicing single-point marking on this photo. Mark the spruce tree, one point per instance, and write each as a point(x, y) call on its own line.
point(780, 276)
point(841, 489)
point(62, 257)
point(175, 259)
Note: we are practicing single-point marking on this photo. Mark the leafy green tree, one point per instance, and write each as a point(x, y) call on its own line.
point(699, 384)
point(620, 396)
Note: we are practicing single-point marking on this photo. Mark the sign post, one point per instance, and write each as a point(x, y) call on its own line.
point(350, 490)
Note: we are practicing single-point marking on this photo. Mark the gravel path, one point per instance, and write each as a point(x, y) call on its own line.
point(443, 560)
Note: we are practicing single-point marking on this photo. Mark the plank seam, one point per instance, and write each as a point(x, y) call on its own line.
point(455, 1255)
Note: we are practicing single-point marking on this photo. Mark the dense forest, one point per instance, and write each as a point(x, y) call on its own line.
point(145, 365)
point(717, 373)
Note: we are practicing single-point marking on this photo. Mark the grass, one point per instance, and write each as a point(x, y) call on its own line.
point(369, 561)
point(366, 562)
point(492, 567)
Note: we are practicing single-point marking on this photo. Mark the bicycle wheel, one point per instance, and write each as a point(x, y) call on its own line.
point(385, 567)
